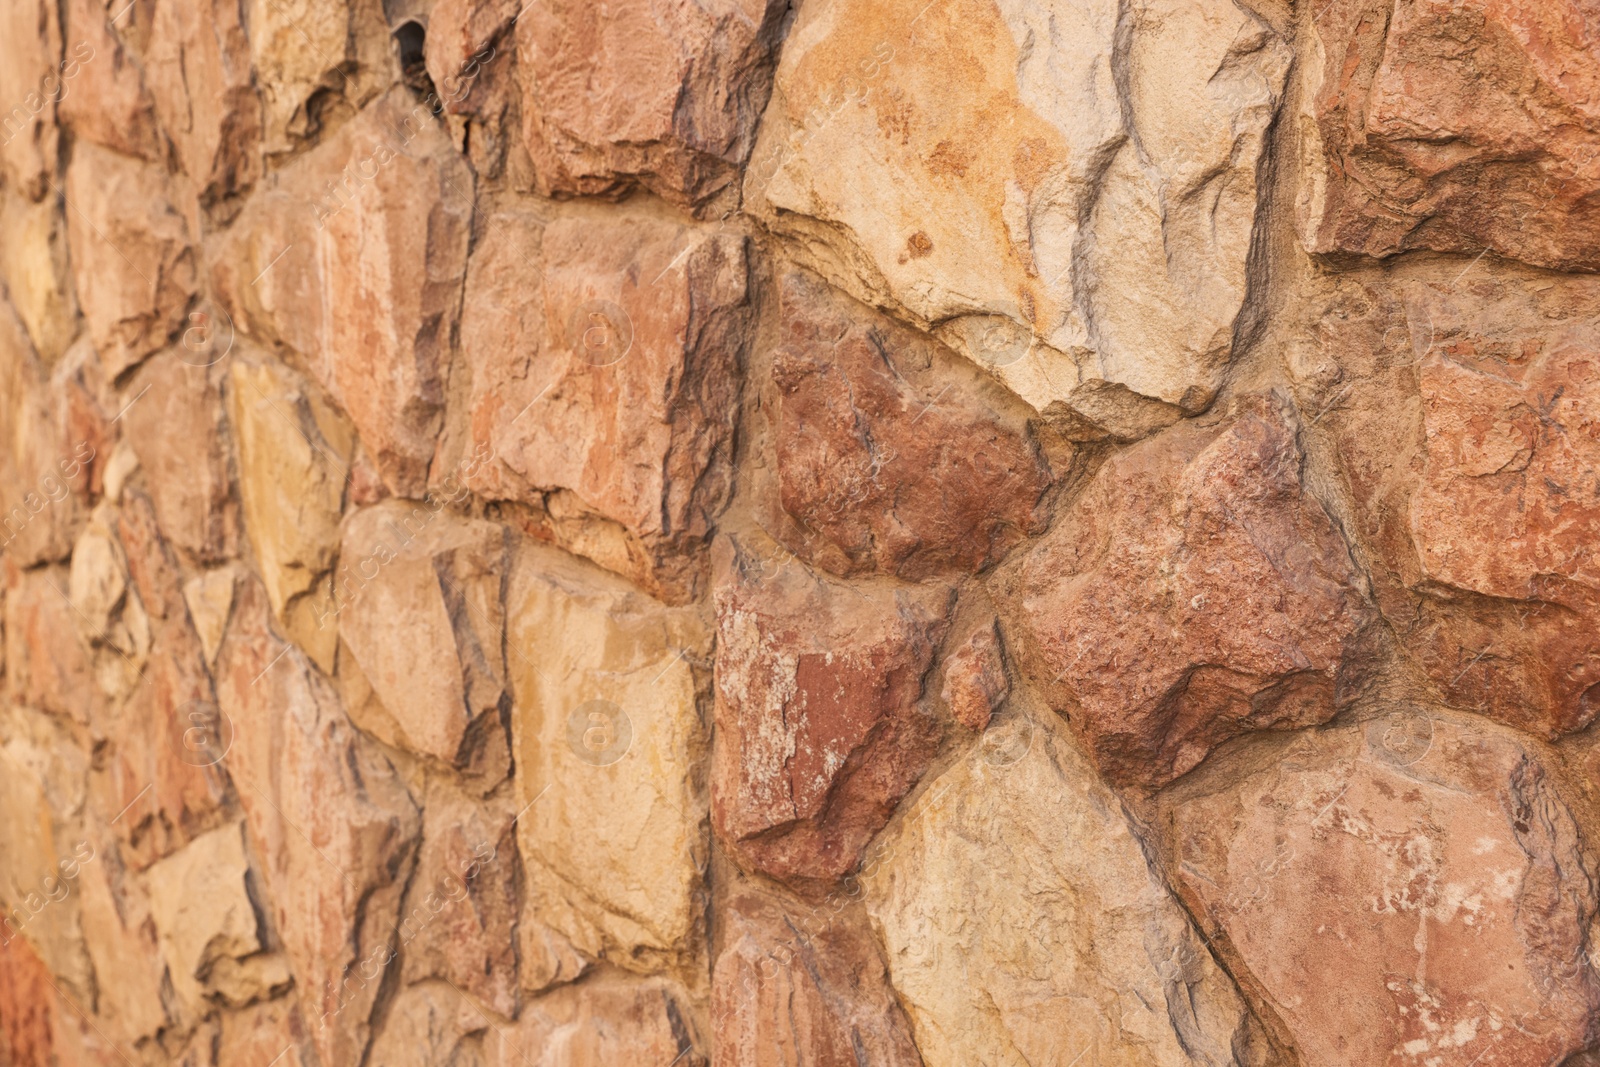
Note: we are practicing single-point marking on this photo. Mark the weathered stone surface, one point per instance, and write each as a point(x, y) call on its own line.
point(610, 745)
point(191, 488)
point(353, 257)
point(460, 916)
point(430, 1024)
point(1193, 592)
point(1024, 924)
point(1424, 863)
point(1459, 414)
point(1070, 195)
point(131, 258)
point(1458, 128)
point(209, 597)
point(975, 682)
point(107, 102)
point(658, 93)
point(334, 827)
point(888, 470)
point(33, 79)
point(418, 597)
point(45, 664)
point(784, 993)
point(313, 61)
point(38, 278)
point(272, 1033)
point(597, 1023)
point(292, 473)
point(202, 911)
point(197, 67)
point(622, 393)
point(39, 1024)
point(821, 722)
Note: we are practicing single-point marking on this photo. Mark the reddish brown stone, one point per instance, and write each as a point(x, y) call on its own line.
point(785, 993)
point(1426, 866)
point(975, 681)
point(618, 401)
point(1461, 420)
point(1193, 592)
point(894, 468)
point(354, 260)
point(107, 102)
point(45, 665)
point(600, 1023)
point(821, 725)
point(1457, 127)
point(623, 95)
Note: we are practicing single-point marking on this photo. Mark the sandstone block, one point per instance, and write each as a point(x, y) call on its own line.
point(37, 276)
point(313, 61)
point(107, 102)
point(622, 394)
point(1195, 591)
point(887, 469)
point(1457, 128)
point(430, 1024)
point(46, 667)
point(821, 721)
point(610, 747)
point(624, 95)
point(975, 682)
point(418, 601)
point(598, 1023)
point(33, 79)
point(1023, 922)
point(1070, 195)
point(1425, 864)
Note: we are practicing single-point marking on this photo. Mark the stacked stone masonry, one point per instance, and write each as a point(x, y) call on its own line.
point(799, 533)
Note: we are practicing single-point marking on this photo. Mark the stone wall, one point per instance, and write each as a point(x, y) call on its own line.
point(836, 533)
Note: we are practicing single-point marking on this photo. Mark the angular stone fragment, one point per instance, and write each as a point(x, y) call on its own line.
point(107, 102)
point(308, 54)
point(353, 257)
point(333, 825)
point(1193, 592)
point(430, 1024)
point(609, 745)
point(1067, 189)
point(1426, 865)
point(658, 93)
point(111, 618)
point(197, 67)
point(292, 472)
point(209, 597)
point(123, 945)
point(821, 722)
point(1024, 924)
point(39, 1023)
point(460, 916)
point(418, 602)
point(1455, 127)
point(273, 1033)
point(38, 278)
point(600, 1023)
point(785, 993)
point(33, 79)
point(46, 667)
point(1460, 414)
point(975, 682)
point(889, 465)
point(202, 910)
point(131, 258)
point(622, 394)
point(190, 487)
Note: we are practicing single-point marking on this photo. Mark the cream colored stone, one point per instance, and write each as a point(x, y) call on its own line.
point(33, 262)
point(122, 944)
point(610, 748)
point(202, 910)
point(1024, 924)
point(291, 479)
point(112, 621)
point(301, 47)
point(428, 1025)
point(210, 599)
point(31, 84)
point(1067, 190)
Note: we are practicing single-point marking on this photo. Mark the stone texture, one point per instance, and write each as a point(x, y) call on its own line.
point(45, 665)
point(1457, 411)
point(1396, 859)
point(609, 739)
point(33, 263)
point(885, 469)
point(430, 1024)
point(1023, 923)
point(975, 682)
point(292, 475)
point(784, 993)
point(621, 394)
point(313, 61)
point(34, 76)
point(1457, 128)
point(418, 601)
point(131, 255)
point(821, 722)
point(332, 823)
point(658, 93)
point(1068, 194)
point(353, 258)
point(1195, 591)
point(597, 1023)
point(108, 103)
